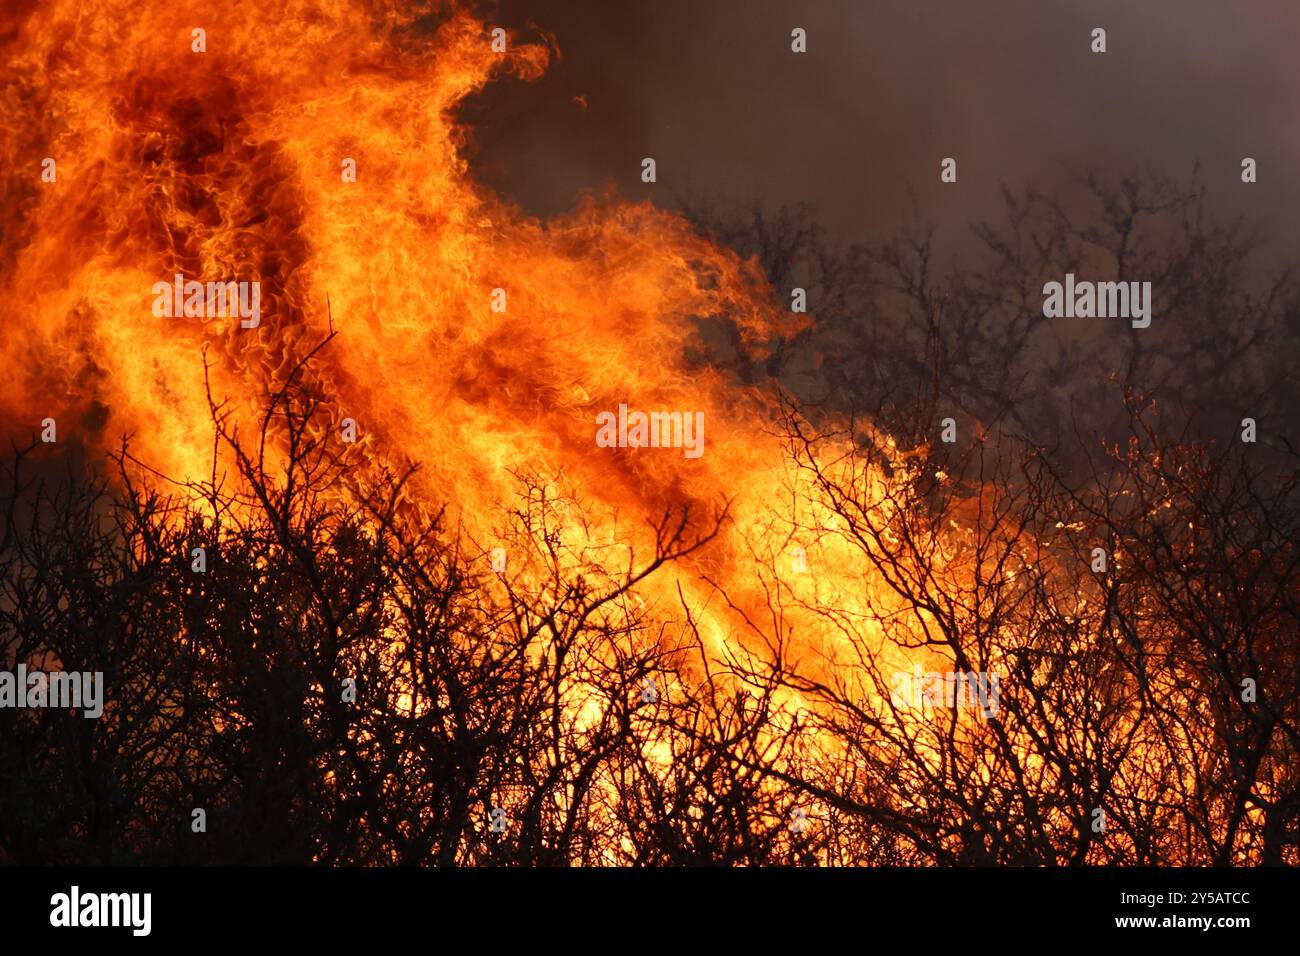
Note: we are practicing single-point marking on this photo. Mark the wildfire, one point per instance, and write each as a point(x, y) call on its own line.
point(471, 338)
point(307, 170)
point(198, 196)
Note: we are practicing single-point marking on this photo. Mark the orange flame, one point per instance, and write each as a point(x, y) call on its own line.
point(222, 155)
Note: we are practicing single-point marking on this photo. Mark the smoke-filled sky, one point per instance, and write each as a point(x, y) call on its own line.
point(887, 89)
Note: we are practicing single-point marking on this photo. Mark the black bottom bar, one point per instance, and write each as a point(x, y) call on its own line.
point(630, 907)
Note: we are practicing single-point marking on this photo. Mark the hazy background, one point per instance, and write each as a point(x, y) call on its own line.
point(1009, 88)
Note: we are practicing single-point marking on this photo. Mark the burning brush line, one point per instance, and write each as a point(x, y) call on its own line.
point(486, 345)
